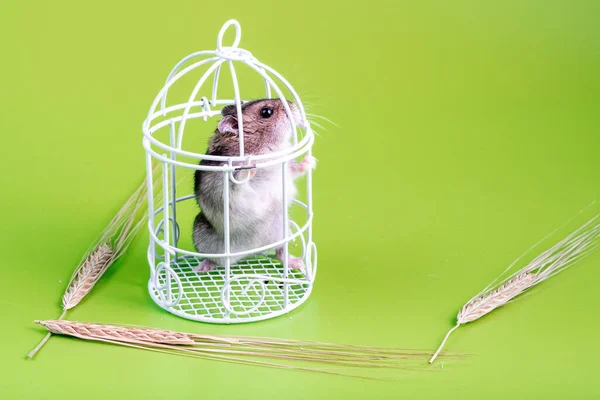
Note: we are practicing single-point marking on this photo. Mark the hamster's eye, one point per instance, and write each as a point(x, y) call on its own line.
point(266, 112)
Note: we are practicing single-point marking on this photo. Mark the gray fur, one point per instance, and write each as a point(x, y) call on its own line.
point(256, 206)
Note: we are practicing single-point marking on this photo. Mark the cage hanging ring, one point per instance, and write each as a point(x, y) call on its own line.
point(238, 34)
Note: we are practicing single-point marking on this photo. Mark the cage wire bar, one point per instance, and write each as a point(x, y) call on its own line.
point(257, 287)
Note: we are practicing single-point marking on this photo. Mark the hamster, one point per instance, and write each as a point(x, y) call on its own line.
point(256, 205)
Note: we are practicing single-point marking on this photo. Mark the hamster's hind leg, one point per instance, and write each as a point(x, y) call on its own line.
point(276, 235)
point(293, 262)
point(206, 240)
point(205, 266)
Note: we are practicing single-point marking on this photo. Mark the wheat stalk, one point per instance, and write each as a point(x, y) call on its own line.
point(576, 246)
point(112, 243)
point(248, 350)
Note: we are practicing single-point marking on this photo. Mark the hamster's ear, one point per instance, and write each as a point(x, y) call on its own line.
point(228, 110)
point(227, 124)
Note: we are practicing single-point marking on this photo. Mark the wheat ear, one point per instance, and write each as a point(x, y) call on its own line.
point(112, 332)
point(91, 271)
point(249, 350)
point(576, 246)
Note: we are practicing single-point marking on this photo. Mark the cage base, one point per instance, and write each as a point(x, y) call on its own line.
point(250, 298)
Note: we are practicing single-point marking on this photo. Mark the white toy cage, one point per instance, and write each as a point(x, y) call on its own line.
point(259, 286)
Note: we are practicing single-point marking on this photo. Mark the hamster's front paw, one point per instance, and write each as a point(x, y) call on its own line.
point(309, 162)
point(244, 175)
point(205, 266)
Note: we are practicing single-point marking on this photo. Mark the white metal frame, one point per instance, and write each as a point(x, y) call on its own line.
point(258, 287)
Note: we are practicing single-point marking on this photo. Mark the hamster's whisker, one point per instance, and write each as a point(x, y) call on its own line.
point(307, 105)
point(316, 124)
point(306, 96)
point(323, 118)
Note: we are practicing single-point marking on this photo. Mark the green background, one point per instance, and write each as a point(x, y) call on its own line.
point(467, 131)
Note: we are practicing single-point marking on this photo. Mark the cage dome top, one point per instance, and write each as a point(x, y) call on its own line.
point(174, 117)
